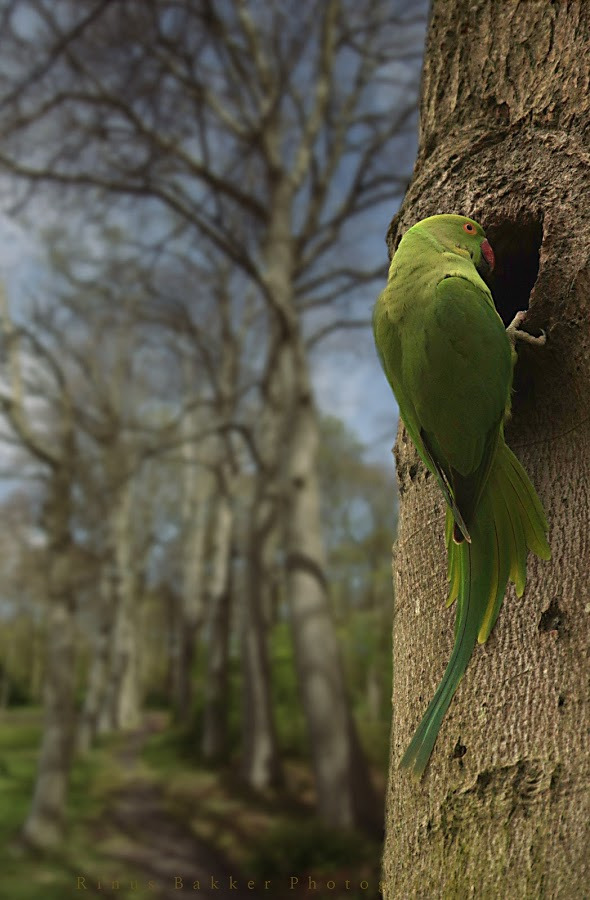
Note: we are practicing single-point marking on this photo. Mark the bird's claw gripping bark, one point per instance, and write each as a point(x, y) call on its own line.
point(516, 334)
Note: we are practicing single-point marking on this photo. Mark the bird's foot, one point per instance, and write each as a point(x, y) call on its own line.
point(515, 333)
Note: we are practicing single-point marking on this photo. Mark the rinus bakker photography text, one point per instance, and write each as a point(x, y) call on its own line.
point(211, 884)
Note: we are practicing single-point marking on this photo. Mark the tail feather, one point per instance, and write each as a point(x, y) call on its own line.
point(532, 514)
point(509, 520)
point(505, 551)
point(475, 572)
point(513, 533)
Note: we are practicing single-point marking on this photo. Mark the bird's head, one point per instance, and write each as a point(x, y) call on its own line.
point(462, 236)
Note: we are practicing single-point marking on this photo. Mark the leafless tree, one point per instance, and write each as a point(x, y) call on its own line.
point(35, 404)
point(248, 114)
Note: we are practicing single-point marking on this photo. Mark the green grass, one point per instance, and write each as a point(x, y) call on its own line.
point(21, 877)
point(316, 848)
point(27, 875)
point(271, 835)
point(19, 737)
point(265, 836)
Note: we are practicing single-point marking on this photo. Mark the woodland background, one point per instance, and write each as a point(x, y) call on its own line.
point(195, 588)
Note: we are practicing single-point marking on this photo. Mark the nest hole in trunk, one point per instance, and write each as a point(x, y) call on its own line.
point(517, 246)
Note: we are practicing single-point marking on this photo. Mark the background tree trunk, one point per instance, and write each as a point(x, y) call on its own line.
point(343, 782)
point(120, 695)
point(197, 500)
point(503, 809)
point(94, 697)
point(216, 707)
point(126, 641)
point(261, 764)
point(46, 819)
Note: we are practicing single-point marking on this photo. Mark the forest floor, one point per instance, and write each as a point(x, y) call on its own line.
point(144, 822)
point(140, 829)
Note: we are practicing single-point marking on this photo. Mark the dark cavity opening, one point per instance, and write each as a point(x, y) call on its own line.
point(552, 618)
point(516, 246)
point(459, 751)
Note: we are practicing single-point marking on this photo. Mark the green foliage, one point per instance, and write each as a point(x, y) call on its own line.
point(16, 637)
point(19, 738)
point(309, 846)
point(184, 742)
point(359, 514)
point(177, 745)
point(289, 718)
point(357, 495)
point(16, 691)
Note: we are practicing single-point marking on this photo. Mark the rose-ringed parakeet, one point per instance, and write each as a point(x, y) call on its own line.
point(449, 360)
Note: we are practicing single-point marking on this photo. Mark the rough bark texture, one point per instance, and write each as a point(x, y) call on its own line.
point(503, 810)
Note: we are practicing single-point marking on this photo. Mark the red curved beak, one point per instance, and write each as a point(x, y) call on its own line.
point(488, 254)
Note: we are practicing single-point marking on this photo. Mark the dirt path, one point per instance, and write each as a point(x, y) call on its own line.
point(142, 831)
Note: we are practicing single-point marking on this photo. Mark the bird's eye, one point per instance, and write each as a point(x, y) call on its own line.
point(469, 228)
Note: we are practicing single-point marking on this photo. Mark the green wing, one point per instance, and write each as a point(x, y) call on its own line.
point(448, 360)
point(388, 341)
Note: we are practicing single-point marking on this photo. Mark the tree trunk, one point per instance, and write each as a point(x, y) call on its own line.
point(261, 764)
point(503, 809)
point(94, 698)
point(45, 822)
point(196, 502)
point(345, 794)
point(121, 705)
point(128, 701)
point(214, 740)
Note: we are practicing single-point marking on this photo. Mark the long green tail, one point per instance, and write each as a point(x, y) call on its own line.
point(508, 522)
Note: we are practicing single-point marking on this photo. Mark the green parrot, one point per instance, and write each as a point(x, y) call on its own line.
point(449, 361)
